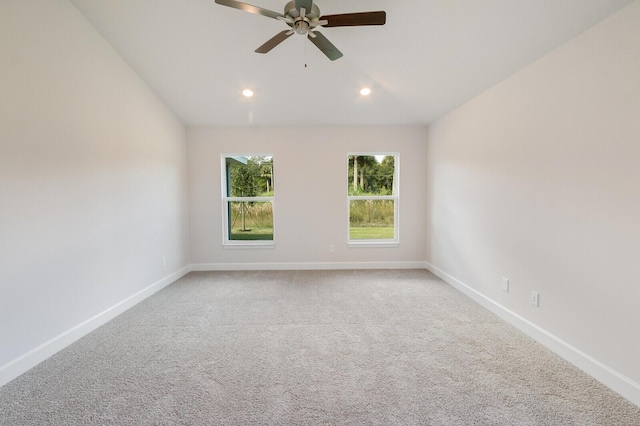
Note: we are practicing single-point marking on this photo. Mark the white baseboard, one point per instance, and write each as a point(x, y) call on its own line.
point(306, 266)
point(608, 376)
point(596, 369)
point(25, 362)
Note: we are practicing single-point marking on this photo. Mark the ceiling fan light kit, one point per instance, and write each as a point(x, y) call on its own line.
point(303, 17)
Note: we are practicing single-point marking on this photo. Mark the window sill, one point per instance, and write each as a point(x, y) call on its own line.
point(249, 245)
point(373, 244)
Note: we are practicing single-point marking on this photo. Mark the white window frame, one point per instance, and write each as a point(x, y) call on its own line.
point(226, 242)
point(395, 242)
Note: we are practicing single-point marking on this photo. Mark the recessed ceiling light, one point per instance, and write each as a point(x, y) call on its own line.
point(247, 93)
point(365, 91)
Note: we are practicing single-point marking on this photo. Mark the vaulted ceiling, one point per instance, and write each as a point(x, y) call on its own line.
point(430, 57)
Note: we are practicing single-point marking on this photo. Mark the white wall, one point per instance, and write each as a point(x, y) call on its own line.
point(310, 206)
point(538, 180)
point(92, 181)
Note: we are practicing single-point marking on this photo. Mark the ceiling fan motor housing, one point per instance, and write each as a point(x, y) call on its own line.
point(293, 13)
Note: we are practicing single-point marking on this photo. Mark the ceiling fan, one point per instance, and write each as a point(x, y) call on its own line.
point(303, 16)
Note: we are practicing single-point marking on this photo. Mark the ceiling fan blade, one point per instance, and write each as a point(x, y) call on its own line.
point(355, 19)
point(304, 3)
point(274, 41)
point(325, 46)
point(318, 23)
point(250, 8)
point(285, 19)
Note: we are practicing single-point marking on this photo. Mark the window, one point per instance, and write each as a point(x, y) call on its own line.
point(372, 195)
point(247, 200)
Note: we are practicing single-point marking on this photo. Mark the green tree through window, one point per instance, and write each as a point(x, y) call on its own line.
point(373, 198)
point(248, 199)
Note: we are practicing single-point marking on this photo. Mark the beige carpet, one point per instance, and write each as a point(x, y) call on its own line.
point(324, 347)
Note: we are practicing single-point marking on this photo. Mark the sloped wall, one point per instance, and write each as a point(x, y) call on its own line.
point(538, 180)
point(93, 184)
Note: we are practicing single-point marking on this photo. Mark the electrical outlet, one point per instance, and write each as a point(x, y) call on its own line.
point(535, 298)
point(164, 261)
point(505, 284)
point(331, 248)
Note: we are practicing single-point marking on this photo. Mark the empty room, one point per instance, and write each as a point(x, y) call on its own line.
point(300, 212)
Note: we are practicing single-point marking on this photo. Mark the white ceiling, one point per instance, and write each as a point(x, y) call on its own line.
point(430, 57)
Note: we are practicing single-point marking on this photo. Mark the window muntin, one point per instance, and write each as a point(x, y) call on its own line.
point(248, 198)
point(372, 195)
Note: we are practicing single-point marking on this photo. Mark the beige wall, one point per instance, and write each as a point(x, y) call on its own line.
point(311, 183)
point(538, 180)
point(92, 181)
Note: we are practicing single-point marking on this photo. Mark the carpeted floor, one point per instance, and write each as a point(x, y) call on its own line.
point(321, 347)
